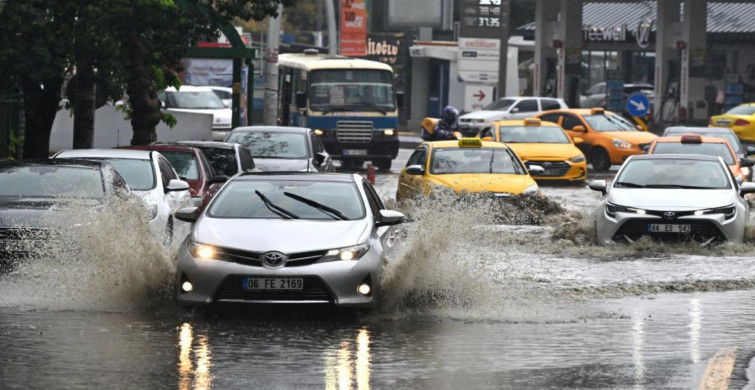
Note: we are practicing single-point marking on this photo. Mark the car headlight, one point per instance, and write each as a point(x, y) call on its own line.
point(612, 209)
point(346, 254)
point(205, 252)
point(621, 144)
point(578, 159)
point(728, 211)
point(388, 132)
point(531, 190)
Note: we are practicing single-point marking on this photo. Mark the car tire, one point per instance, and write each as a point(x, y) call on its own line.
point(600, 160)
point(383, 164)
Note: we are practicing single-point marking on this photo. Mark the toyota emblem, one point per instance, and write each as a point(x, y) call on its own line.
point(669, 215)
point(274, 259)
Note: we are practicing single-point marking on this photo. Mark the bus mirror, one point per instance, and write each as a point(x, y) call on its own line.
point(301, 100)
point(400, 99)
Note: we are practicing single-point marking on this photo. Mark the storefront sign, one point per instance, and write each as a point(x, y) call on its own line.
point(478, 59)
point(641, 35)
point(353, 28)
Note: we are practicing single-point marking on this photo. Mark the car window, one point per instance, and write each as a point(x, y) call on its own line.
point(570, 121)
point(245, 157)
point(373, 199)
point(139, 174)
point(416, 157)
point(527, 105)
point(741, 110)
point(609, 122)
point(473, 160)
point(550, 118)
point(40, 181)
point(193, 100)
point(222, 160)
point(270, 144)
point(707, 148)
point(166, 171)
point(487, 132)
point(533, 134)
point(316, 144)
point(499, 105)
point(184, 163)
point(550, 104)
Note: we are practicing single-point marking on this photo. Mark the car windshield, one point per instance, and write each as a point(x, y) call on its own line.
point(269, 144)
point(609, 122)
point(707, 148)
point(193, 100)
point(533, 134)
point(138, 173)
point(48, 181)
point(741, 110)
point(499, 105)
point(673, 173)
point(352, 90)
point(473, 160)
point(223, 161)
point(730, 137)
point(184, 163)
point(282, 199)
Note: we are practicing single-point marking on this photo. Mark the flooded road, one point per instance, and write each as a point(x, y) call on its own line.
point(471, 300)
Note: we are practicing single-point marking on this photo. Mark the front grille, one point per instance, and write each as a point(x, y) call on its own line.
point(552, 168)
point(255, 258)
point(314, 290)
point(701, 231)
point(354, 132)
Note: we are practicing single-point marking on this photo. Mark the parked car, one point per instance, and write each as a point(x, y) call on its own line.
point(33, 193)
point(720, 132)
point(740, 119)
point(672, 197)
point(192, 166)
point(286, 238)
point(608, 137)
point(200, 100)
point(517, 107)
point(279, 148)
point(224, 93)
point(226, 158)
point(150, 176)
point(595, 96)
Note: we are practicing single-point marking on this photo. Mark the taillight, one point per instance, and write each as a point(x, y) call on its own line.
point(741, 122)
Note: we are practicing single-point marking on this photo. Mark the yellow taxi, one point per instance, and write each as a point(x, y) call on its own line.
point(740, 119)
point(608, 137)
point(469, 165)
point(541, 143)
point(697, 144)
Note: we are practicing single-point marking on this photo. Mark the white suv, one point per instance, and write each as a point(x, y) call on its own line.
point(516, 107)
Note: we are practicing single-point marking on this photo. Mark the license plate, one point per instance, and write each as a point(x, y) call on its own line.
point(273, 283)
point(354, 152)
point(668, 228)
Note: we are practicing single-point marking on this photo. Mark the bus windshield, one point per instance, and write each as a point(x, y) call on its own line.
point(351, 90)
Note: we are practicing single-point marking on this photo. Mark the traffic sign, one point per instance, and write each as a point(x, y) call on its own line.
point(638, 105)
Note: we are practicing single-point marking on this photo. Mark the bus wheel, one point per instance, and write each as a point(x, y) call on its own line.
point(383, 164)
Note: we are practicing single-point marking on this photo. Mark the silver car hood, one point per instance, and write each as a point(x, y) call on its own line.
point(287, 236)
point(282, 164)
point(670, 199)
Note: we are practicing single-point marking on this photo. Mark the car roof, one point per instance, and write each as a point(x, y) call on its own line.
point(200, 144)
point(455, 144)
point(304, 176)
point(282, 129)
point(163, 147)
point(678, 139)
point(106, 153)
point(700, 157)
point(697, 129)
point(577, 111)
point(520, 122)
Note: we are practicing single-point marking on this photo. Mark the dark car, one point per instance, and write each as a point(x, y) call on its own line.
point(278, 148)
point(226, 158)
point(41, 199)
point(720, 132)
point(192, 166)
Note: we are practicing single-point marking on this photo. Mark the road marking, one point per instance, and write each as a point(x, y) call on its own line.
point(719, 370)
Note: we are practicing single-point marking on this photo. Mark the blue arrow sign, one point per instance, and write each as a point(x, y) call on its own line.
point(638, 105)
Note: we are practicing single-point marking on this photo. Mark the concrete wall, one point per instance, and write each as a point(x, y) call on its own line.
point(111, 130)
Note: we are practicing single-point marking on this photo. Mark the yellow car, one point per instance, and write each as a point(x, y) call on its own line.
point(541, 143)
point(740, 119)
point(468, 165)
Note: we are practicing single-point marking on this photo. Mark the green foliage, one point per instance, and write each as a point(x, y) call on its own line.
point(13, 145)
point(169, 119)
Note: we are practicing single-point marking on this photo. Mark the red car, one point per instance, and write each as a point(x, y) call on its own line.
point(192, 165)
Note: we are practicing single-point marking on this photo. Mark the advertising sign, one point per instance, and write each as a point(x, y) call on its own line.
point(353, 28)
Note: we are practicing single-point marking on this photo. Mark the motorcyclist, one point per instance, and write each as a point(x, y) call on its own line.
point(447, 125)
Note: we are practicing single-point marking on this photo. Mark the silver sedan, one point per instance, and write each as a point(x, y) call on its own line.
point(672, 197)
point(286, 238)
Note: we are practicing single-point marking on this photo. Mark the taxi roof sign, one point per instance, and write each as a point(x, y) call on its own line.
point(470, 143)
point(598, 111)
point(532, 122)
point(692, 139)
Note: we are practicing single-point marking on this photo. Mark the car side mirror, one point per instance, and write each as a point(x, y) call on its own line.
point(598, 185)
point(415, 170)
point(536, 170)
point(578, 140)
point(515, 109)
point(747, 188)
point(187, 214)
point(750, 150)
point(390, 217)
point(578, 128)
point(301, 100)
point(746, 162)
point(218, 179)
point(177, 185)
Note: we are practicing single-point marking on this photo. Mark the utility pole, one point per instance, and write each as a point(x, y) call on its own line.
point(270, 113)
point(332, 36)
point(504, 54)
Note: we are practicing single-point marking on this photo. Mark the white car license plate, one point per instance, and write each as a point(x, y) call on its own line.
point(668, 228)
point(354, 152)
point(273, 283)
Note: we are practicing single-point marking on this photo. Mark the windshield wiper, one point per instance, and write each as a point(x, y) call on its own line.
point(373, 105)
point(629, 184)
point(280, 211)
point(333, 213)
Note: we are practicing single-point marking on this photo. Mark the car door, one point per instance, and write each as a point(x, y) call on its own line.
point(569, 122)
point(411, 185)
point(525, 108)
